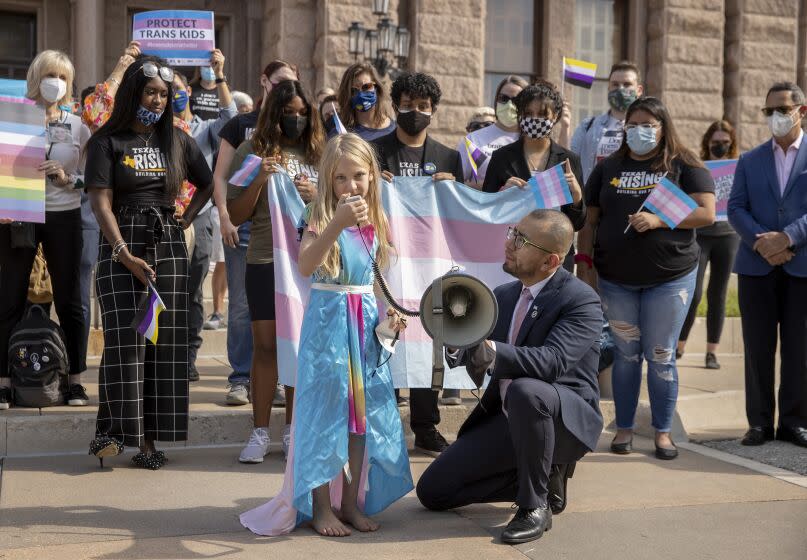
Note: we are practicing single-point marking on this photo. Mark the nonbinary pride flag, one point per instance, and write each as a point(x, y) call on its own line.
point(670, 203)
point(476, 157)
point(550, 188)
point(248, 171)
point(579, 72)
point(145, 320)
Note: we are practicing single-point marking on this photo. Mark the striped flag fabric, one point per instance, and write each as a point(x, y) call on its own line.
point(13, 91)
point(433, 229)
point(337, 122)
point(22, 150)
point(579, 72)
point(476, 157)
point(148, 312)
point(550, 188)
point(670, 203)
point(249, 169)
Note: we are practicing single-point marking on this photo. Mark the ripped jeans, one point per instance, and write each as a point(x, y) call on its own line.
point(645, 324)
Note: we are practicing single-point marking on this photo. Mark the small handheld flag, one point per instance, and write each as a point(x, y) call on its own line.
point(145, 320)
point(337, 122)
point(579, 72)
point(248, 171)
point(476, 157)
point(670, 203)
point(550, 188)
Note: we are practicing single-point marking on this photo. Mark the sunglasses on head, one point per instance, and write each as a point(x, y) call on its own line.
point(151, 70)
point(369, 86)
point(784, 109)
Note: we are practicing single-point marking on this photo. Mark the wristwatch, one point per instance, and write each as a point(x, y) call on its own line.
point(221, 80)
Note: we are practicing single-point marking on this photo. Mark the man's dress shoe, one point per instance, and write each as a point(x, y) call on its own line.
point(793, 435)
point(527, 525)
point(558, 477)
point(757, 435)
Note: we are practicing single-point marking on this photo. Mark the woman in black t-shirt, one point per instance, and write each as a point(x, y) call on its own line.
point(136, 163)
point(647, 272)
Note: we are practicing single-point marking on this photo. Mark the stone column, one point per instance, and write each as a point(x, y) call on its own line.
point(558, 41)
point(88, 42)
point(761, 48)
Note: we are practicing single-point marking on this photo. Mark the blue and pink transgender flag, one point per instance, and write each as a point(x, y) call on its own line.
point(670, 203)
point(550, 188)
point(249, 169)
point(434, 227)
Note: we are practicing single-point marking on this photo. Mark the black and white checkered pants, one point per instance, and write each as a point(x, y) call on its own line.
point(143, 388)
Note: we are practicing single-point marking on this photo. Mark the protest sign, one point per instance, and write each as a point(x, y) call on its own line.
point(182, 37)
point(722, 171)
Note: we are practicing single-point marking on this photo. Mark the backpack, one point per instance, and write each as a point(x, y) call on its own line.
point(37, 361)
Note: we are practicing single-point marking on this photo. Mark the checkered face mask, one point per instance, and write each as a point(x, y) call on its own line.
point(536, 127)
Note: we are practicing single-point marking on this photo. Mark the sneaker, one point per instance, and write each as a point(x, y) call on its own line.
point(451, 397)
point(214, 322)
point(238, 394)
point(257, 447)
point(286, 440)
point(711, 361)
point(5, 398)
point(280, 396)
point(430, 442)
point(77, 396)
point(193, 374)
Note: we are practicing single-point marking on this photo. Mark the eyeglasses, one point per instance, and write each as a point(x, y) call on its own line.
point(474, 126)
point(644, 126)
point(519, 240)
point(502, 98)
point(784, 110)
point(369, 86)
point(151, 70)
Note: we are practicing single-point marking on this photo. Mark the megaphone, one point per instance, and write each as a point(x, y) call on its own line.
point(458, 311)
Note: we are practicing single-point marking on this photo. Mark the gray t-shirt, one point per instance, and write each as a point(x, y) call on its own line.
point(66, 137)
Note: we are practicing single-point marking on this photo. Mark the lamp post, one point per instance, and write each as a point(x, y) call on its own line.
point(386, 47)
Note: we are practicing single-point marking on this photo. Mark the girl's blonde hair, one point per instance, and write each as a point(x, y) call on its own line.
point(45, 62)
point(355, 149)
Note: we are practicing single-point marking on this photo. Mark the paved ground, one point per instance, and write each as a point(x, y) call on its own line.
point(620, 508)
point(780, 454)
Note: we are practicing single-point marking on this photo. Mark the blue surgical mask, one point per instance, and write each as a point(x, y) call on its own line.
point(207, 74)
point(364, 101)
point(180, 101)
point(147, 117)
point(641, 140)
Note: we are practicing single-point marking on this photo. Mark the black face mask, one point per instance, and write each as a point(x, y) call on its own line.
point(293, 126)
point(719, 150)
point(413, 122)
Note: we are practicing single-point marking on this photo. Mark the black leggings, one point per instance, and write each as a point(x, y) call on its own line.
point(718, 252)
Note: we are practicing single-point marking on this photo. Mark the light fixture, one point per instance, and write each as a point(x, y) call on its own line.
point(382, 46)
point(380, 7)
point(402, 38)
point(355, 38)
point(386, 36)
point(371, 45)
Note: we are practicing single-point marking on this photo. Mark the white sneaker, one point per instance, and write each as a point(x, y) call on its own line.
point(257, 447)
point(238, 394)
point(286, 440)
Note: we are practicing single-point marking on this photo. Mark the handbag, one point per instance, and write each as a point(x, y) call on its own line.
point(23, 235)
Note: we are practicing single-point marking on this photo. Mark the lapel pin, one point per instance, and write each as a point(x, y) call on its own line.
point(534, 312)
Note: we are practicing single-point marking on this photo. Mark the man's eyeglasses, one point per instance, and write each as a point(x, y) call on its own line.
point(502, 98)
point(784, 110)
point(519, 240)
point(369, 86)
point(474, 126)
point(151, 70)
point(644, 126)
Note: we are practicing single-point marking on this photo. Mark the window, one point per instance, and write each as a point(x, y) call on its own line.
point(510, 33)
point(599, 38)
point(17, 44)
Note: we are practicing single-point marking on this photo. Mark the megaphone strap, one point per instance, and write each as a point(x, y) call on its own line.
point(342, 288)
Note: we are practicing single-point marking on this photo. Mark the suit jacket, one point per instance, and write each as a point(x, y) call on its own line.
point(444, 158)
point(757, 205)
point(559, 343)
point(509, 161)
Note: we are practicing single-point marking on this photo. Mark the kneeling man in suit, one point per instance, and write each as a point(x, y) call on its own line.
point(540, 412)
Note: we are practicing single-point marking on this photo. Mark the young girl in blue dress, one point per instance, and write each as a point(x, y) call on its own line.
point(348, 457)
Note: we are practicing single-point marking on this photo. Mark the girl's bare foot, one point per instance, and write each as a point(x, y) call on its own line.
point(328, 525)
point(358, 520)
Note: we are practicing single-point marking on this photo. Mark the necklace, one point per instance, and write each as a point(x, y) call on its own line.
point(145, 140)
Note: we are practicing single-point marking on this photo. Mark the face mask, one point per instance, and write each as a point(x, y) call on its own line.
point(641, 140)
point(413, 122)
point(620, 99)
point(364, 101)
point(52, 89)
point(293, 126)
point(207, 74)
point(719, 150)
point(180, 101)
point(780, 124)
point(507, 114)
point(536, 127)
point(147, 117)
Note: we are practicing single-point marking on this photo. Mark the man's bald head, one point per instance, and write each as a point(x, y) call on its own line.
point(550, 229)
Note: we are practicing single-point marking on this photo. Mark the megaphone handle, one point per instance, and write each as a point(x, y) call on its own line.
point(438, 369)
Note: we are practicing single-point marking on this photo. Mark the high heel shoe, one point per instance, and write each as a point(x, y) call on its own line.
point(152, 461)
point(105, 446)
point(622, 448)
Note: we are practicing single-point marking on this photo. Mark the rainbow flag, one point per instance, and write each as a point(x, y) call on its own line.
point(22, 150)
point(248, 171)
point(476, 157)
point(148, 312)
point(579, 72)
point(550, 188)
point(432, 229)
point(670, 203)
